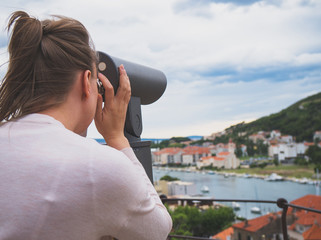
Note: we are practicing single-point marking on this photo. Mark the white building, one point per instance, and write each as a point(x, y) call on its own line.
point(283, 151)
point(225, 160)
point(181, 188)
point(167, 155)
point(221, 147)
point(317, 135)
point(192, 154)
point(275, 134)
point(256, 137)
point(286, 139)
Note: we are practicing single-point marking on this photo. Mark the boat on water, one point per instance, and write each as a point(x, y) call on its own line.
point(303, 181)
point(236, 206)
point(205, 189)
point(210, 172)
point(256, 210)
point(274, 177)
point(246, 175)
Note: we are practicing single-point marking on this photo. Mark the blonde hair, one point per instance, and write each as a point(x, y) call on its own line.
point(44, 57)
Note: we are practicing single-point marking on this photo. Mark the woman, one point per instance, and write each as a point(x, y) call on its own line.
point(54, 183)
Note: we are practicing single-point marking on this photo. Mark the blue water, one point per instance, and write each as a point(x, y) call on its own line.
point(243, 188)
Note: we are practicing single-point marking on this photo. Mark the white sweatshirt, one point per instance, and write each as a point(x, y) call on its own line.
point(56, 185)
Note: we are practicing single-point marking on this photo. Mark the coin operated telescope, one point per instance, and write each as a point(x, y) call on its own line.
point(147, 86)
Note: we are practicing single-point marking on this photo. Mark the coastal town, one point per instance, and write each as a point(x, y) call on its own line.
point(282, 148)
point(220, 159)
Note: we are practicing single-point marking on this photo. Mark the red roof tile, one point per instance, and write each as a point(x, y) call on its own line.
point(219, 158)
point(224, 234)
point(309, 201)
point(170, 151)
point(309, 219)
point(256, 224)
point(191, 150)
point(313, 233)
point(308, 144)
point(224, 153)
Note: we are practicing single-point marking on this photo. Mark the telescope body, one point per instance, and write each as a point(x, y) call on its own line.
point(147, 86)
point(146, 83)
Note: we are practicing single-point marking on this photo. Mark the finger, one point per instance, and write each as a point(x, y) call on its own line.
point(109, 89)
point(123, 79)
point(124, 90)
point(99, 108)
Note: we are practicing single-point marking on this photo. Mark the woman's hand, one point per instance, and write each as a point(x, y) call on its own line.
point(110, 119)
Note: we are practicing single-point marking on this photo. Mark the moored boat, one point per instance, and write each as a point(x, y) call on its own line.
point(205, 189)
point(256, 210)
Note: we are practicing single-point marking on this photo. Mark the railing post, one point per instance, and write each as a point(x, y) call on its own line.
point(282, 203)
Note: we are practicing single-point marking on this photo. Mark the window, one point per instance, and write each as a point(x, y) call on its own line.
point(239, 236)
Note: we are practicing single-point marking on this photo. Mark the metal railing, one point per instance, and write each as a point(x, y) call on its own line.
point(281, 203)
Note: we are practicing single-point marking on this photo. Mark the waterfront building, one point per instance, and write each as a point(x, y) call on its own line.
point(302, 225)
point(226, 160)
point(185, 156)
point(300, 221)
point(181, 188)
point(192, 154)
point(264, 227)
point(224, 235)
point(167, 156)
point(313, 233)
point(175, 188)
point(285, 151)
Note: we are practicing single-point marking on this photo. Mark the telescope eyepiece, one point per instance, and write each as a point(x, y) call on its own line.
point(101, 89)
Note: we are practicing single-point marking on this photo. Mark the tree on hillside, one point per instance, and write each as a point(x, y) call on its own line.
point(190, 221)
point(314, 154)
point(169, 178)
point(179, 139)
point(173, 142)
point(222, 139)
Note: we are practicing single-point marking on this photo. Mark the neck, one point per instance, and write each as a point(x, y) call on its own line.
point(63, 115)
point(68, 113)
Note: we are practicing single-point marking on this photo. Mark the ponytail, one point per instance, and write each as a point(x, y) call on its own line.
point(44, 57)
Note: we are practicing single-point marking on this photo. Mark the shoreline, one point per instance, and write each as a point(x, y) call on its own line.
point(231, 173)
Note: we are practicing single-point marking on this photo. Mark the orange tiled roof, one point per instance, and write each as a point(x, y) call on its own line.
point(224, 153)
point(308, 144)
point(273, 142)
point(190, 150)
point(170, 151)
point(309, 219)
point(309, 201)
point(219, 158)
point(312, 233)
point(224, 234)
point(255, 224)
point(292, 226)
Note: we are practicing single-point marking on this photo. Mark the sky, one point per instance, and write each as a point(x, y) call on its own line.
point(225, 61)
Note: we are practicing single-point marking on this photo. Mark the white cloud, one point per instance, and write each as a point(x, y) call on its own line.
point(224, 62)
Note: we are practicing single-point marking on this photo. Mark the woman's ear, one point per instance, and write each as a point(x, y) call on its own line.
point(86, 84)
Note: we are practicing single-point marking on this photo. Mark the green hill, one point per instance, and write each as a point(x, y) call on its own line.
point(301, 120)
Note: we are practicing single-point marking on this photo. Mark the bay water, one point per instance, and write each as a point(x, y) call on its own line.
point(236, 187)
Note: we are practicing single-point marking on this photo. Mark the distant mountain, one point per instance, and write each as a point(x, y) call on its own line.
point(195, 137)
point(301, 120)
